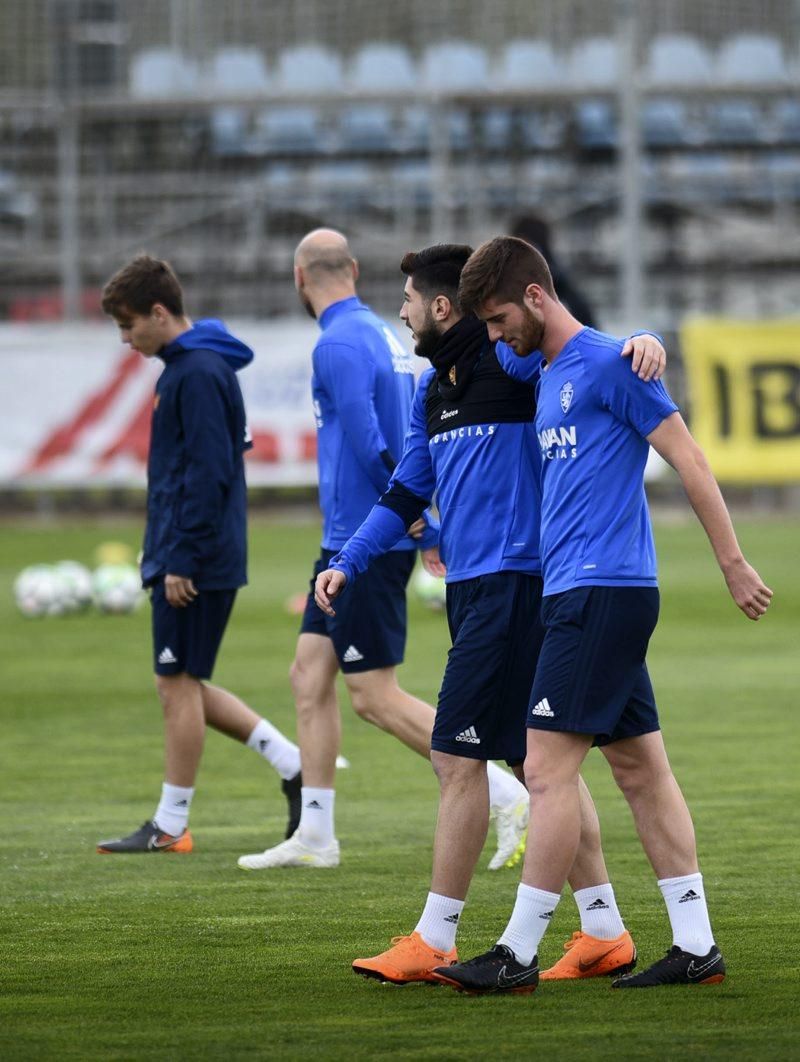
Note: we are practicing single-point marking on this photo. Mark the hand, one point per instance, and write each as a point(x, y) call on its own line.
point(180, 590)
point(747, 589)
point(417, 529)
point(432, 564)
point(328, 586)
point(649, 359)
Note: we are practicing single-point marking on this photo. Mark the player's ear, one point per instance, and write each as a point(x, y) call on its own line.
point(355, 269)
point(441, 307)
point(533, 295)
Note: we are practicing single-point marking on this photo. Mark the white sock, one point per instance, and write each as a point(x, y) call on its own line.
point(688, 915)
point(316, 817)
point(276, 749)
point(599, 913)
point(438, 923)
point(529, 921)
point(504, 787)
point(172, 813)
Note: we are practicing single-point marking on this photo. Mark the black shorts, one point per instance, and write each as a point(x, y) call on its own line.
point(369, 629)
point(188, 639)
point(592, 677)
point(496, 631)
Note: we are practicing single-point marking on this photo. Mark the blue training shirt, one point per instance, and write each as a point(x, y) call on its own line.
point(478, 457)
point(362, 386)
point(592, 417)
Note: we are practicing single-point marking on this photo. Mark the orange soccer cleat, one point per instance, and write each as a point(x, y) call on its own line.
point(409, 959)
point(587, 956)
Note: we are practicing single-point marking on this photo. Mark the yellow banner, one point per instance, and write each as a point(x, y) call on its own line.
point(744, 388)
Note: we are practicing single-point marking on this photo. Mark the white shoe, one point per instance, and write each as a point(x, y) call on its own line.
point(511, 823)
point(292, 853)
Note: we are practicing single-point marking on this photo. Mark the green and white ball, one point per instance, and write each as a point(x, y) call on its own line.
point(38, 591)
point(428, 589)
point(117, 588)
point(76, 585)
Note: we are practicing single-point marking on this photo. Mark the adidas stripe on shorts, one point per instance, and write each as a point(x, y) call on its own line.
point(496, 633)
point(188, 639)
point(369, 628)
point(592, 677)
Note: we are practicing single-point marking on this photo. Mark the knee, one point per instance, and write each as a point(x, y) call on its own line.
point(632, 779)
point(300, 681)
point(455, 771)
point(169, 689)
point(366, 705)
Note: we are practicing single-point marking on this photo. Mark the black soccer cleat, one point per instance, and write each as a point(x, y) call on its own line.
point(678, 967)
point(495, 971)
point(148, 838)
point(292, 791)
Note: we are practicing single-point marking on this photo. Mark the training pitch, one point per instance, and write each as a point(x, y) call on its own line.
point(188, 957)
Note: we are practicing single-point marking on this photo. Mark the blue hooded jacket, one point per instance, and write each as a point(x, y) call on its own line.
point(196, 491)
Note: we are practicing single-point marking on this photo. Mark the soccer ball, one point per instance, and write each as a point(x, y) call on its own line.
point(75, 585)
point(428, 589)
point(38, 591)
point(116, 588)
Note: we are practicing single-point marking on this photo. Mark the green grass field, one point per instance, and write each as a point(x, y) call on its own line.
point(170, 957)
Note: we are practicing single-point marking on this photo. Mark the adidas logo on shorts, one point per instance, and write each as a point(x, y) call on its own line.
point(166, 656)
point(352, 655)
point(469, 736)
point(543, 708)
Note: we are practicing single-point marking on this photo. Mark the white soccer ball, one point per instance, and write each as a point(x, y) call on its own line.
point(117, 588)
point(428, 589)
point(38, 591)
point(76, 585)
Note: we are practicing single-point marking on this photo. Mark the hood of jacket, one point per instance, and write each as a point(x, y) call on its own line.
point(211, 334)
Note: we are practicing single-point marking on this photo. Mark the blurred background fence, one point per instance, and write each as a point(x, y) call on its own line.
point(661, 140)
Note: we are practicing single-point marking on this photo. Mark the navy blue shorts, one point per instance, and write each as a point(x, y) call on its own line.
point(496, 632)
point(592, 677)
point(369, 628)
point(188, 639)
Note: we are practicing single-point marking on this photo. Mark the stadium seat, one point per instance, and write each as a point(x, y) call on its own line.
point(239, 72)
point(751, 58)
point(497, 128)
point(163, 72)
point(346, 184)
point(366, 127)
point(229, 131)
point(382, 68)
point(594, 62)
point(786, 117)
point(529, 64)
point(454, 66)
point(308, 68)
point(415, 131)
point(676, 59)
point(289, 130)
point(665, 124)
point(541, 130)
point(735, 122)
point(595, 125)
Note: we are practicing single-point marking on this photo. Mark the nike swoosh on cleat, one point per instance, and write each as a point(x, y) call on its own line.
point(586, 966)
point(156, 842)
point(506, 981)
point(698, 971)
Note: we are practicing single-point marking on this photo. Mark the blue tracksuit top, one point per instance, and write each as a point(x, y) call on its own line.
point(362, 386)
point(478, 455)
point(196, 492)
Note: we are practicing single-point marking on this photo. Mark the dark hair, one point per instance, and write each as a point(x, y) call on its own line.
point(139, 285)
point(533, 229)
point(502, 269)
point(437, 270)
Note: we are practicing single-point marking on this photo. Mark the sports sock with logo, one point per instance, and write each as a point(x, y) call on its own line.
point(529, 921)
point(316, 817)
point(172, 813)
point(504, 787)
point(438, 922)
point(688, 915)
point(276, 749)
point(599, 913)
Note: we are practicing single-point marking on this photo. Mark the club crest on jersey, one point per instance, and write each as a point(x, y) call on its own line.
point(566, 396)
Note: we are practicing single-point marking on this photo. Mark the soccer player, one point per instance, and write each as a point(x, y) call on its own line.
point(594, 422)
point(194, 557)
point(362, 387)
point(471, 443)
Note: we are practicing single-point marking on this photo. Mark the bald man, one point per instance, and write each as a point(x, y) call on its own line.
point(362, 386)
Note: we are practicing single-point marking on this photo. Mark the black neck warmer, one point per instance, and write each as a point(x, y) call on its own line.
point(457, 354)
